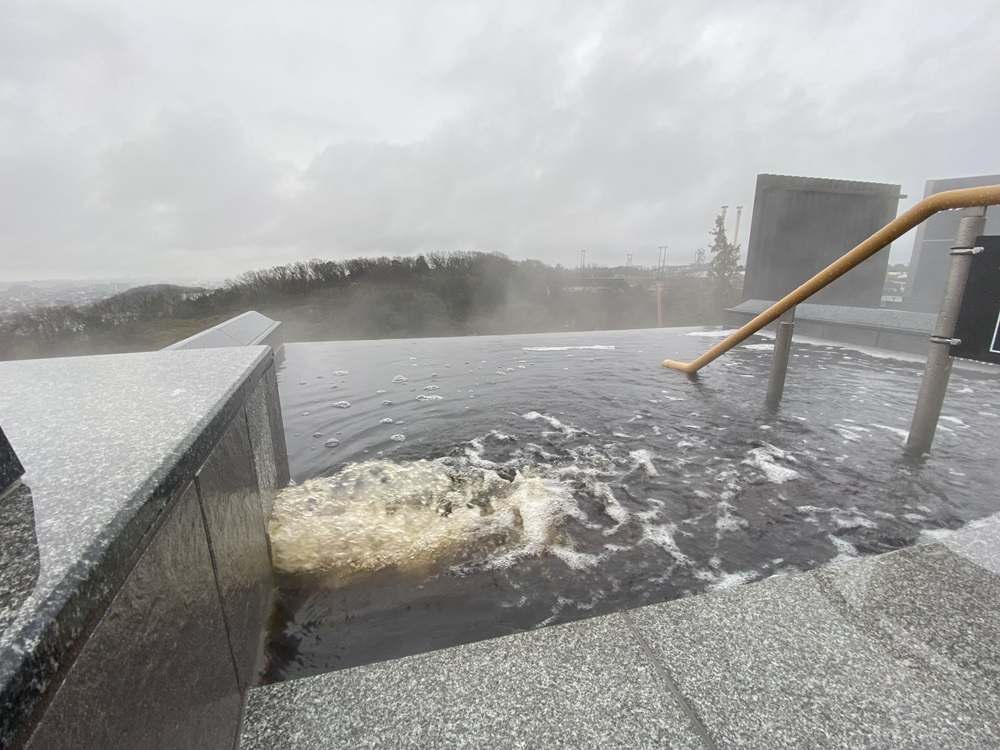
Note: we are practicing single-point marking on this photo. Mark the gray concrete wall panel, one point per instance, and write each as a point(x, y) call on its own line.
point(802, 224)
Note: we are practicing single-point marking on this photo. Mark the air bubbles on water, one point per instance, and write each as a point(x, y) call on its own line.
point(341, 405)
point(398, 438)
point(400, 379)
point(341, 373)
point(332, 443)
point(387, 420)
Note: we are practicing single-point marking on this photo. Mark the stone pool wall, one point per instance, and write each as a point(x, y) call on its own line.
point(148, 482)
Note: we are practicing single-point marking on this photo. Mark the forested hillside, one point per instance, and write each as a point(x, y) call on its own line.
point(447, 294)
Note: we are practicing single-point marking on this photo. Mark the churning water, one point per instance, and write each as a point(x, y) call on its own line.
point(449, 490)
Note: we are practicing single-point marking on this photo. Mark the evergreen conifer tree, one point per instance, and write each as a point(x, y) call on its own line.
point(724, 270)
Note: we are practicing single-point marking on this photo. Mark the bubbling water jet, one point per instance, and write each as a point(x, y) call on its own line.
point(414, 517)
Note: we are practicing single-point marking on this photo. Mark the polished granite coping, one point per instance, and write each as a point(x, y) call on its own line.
point(106, 443)
point(900, 650)
point(249, 329)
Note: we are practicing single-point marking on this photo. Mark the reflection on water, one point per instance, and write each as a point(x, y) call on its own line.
point(556, 477)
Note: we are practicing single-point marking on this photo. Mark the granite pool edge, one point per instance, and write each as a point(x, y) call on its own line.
point(43, 640)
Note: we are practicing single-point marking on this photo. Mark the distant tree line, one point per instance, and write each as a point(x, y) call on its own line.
point(459, 293)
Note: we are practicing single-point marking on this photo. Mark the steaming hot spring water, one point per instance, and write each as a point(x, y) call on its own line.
point(450, 490)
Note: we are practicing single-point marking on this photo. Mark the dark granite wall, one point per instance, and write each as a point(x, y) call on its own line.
point(157, 671)
point(802, 224)
point(170, 661)
point(237, 535)
point(10, 466)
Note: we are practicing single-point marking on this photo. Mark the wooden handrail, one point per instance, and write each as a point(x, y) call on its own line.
point(964, 198)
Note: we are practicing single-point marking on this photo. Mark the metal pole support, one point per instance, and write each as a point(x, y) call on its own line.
point(937, 370)
point(779, 362)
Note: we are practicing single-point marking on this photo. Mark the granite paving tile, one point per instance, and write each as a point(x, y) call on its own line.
point(844, 657)
point(583, 685)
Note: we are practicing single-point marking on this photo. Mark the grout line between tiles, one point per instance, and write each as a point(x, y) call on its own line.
point(671, 686)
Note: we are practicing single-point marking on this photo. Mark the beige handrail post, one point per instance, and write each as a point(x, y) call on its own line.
point(937, 369)
point(964, 198)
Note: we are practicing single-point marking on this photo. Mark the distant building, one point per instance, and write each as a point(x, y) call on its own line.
point(802, 224)
point(929, 262)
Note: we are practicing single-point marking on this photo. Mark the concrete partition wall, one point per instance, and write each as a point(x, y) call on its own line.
point(803, 224)
point(149, 479)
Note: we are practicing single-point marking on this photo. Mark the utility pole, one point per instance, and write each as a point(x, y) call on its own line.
point(583, 259)
point(736, 232)
point(659, 304)
point(628, 260)
point(699, 257)
point(661, 263)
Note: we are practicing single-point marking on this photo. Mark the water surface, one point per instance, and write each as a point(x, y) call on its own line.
point(471, 487)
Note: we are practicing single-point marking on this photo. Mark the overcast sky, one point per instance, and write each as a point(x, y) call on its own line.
point(185, 138)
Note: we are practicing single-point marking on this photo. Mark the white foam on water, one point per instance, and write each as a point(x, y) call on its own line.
point(554, 423)
point(564, 348)
point(400, 379)
point(847, 434)
point(341, 405)
point(953, 420)
point(712, 334)
point(903, 434)
point(387, 420)
point(845, 550)
point(720, 580)
point(759, 347)
point(765, 458)
point(662, 535)
point(643, 459)
point(429, 397)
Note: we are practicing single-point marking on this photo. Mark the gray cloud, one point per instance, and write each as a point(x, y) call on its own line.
point(187, 139)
